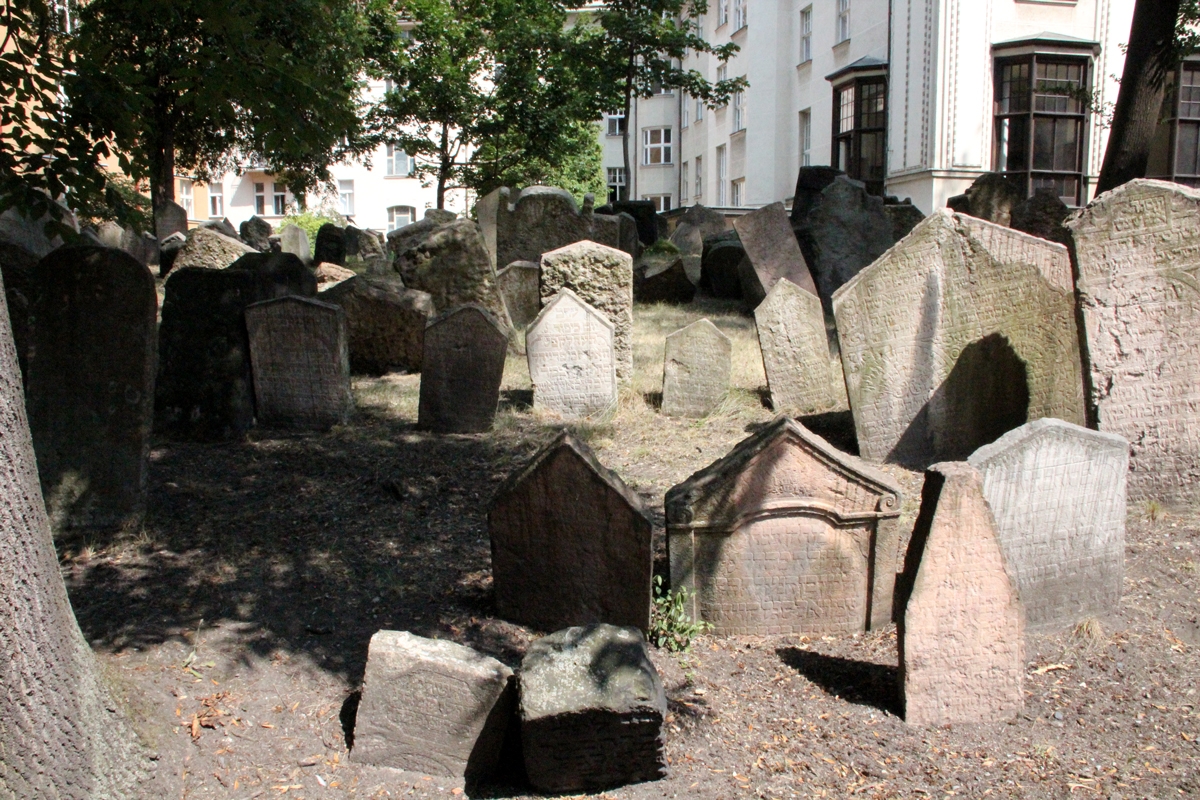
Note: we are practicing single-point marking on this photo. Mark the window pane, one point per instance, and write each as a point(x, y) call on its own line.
point(1187, 149)
point(1189, 94)
point(870, 165)
point(1066, 187)
point(1057, 88)
point(1012, 138)
point(1066, 145)
point(1043, 143)
point(846, 110)
point(1013, 94)
point(872, 105)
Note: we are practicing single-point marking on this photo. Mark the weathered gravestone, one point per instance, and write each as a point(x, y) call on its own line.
point(696, 367)
point(281, 274)
point(222, 226)
point(330, 246)
point(363, 245)
point(643, 212)
point(571, 358)
point(570, 543)
point(772, 252)
point(810, 182)
point(591, 711)
point(697, 224)
point(90, 395)
point(629, 234)
point(209, 248)
point(1057, 492)
point(1138, 250)
point(540, 219)
point(992, 197)
point(432, 706)
point(386, 322)
point(661, 278)
point(461, 371)
point(603, 278)
point(519, 286)
point(168, 249)
point(293, 239)
point(803, 375)
point(785, 535)
point(143, 247)
point(301, 363)
point(904, 217)
point(958, 334)
point(330, 275)
point(169, 218)
point(256, 232)
point(961, 625)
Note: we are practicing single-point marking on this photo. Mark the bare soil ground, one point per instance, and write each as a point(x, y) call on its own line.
point(236, 625)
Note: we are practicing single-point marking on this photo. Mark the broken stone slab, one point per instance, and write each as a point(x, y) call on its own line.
point(432, 706)
point(572, 360)
point(772, 252)
point(363, 245)
point(282, 274)
point(804, 375)
point(519, 285)
point(209, 248)
point(591, 710)
point(256, 232)
point(697, 363)
point(461, 371)
point(222, 226)
point(644, 213)
point(1043, 216)
point(385, 322)
point(810, 182)
point(1057, 492)
point(960, 622)
point(992, 197)
point(661, 278)
point(904, 217)
point(168, 249)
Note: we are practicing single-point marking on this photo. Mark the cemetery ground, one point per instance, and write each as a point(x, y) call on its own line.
point(236, 623)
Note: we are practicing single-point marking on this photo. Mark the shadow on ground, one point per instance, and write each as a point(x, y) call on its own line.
point(854, 681)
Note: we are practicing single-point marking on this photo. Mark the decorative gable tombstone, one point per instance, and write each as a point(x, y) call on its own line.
point(772, 252)
point(1139, 260)
point(696, 368)
point(1057, 492)
point(570, 543)
point(803, 376)
point(90, 395)
point(301, 363)
point(461, 371)
point(958, 334)
point(785, 535)
point(571, 358)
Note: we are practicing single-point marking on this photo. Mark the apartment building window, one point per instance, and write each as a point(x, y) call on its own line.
point(722, 171)
point(617, 188)
point(1175, 151)
point(739, 111)
point(346, 196)
point(656, 146)
point(699, 177)
point(1039, 123)
point(843, 21)
point(738, 192)
point(806, 138)
point(699, 109)
point(216, 200)
point(260, 199)
point(399, 163)
point(662, 202)
point(860, 120)
point(740, 16)
point(806, 35)
point(722, 72)
point(722, 12)
point(684, 194)
point(683, 119)
point(616, 123)
point(185, 197)
point(399, 216)
point(279, 195)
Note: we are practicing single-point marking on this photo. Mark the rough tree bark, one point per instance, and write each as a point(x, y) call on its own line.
point(1136, 116)
point(60, 733)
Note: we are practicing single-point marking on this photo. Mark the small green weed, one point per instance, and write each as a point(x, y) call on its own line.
point(1153, 510)
point(670, 624)
point(665, 246)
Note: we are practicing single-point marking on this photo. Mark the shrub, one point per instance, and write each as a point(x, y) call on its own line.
point(670, 625)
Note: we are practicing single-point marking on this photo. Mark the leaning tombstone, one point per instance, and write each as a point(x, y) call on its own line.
point(90, 395)
point(1057, 492)
point(301, 363)
point(571, 359)
point(330, 246)
point(961, 332)
point(720, 268)
point(785, 535)
point(591, 711)
point(1137, 256)
point(293, 239)
point(603, 278)
point(804, 376)
point(432, 706)
point(519, 286)
point(960, 622)
point(386, 323)
point(772, 252)
point(461, 371)
point(570, 543)
point(209, 248)
point(696, 367)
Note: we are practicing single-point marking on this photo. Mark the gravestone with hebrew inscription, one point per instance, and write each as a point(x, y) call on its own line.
point(519, 285)
point(958, 334)
point(432, 706)
point(571, 359)
point(385, 322)
point(461, 371)
point(772, 252)
point(90, 395)
point(570, 543)
point(603, 278)
point(1057, 492)
point(1138, 249)
point(696, 367)
point(803, 375)
point(301, 363)
point(960, 621)
point(785, 535)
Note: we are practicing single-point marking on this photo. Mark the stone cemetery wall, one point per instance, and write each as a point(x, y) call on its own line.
point(1057, 492)
point(961, 625)
point(961, 332)
point(785, 535)
point(1138, 249)
point(539, 219)
point(461, 371)
point(385, 321)
point(697, 363)
point(572, 361)
point(570, 543)
point(90, 395)
point(803, 375)
point(772, 252)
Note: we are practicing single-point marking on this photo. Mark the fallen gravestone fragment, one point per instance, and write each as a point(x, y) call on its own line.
point(591, 710)
point(209, 248)
point(772, 252)
point(256, 232)
point(519, 286)
point(571, 359)
point(386, 322)
point(570, 543)
point(432, 706)
point(697, 363)
point(803, 375)
point(461, 371)
point(661, 278)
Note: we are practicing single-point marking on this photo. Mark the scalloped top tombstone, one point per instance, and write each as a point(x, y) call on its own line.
point(571, 358)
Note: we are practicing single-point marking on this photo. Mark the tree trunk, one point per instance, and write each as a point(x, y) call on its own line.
point(1139, 103)
point(162, 174)
point(443, 165)
point(625, 132)
point(58, 737)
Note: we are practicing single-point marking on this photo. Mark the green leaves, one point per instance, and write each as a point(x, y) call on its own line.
point(670, 624)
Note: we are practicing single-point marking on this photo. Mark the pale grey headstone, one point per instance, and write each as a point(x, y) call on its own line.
point(519, 285)
point(169, 218)
point(602, 277)
point(294, 240)
point(772, 252)
point(697, 364)
point(571, 359)
point(803, 375)
point(461, 371)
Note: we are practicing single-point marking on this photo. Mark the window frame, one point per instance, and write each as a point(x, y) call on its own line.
point(215, 198)
point(279, 199)
point(739, 112)
point(683, 189)
point(737, 192)
point(393, 215)
point(722, 174)
point(1165, 148)
point(621, 125)
point(394, 158)
point(842, 23)
point(806, 137)
point(346, 198)
point(662, 202)
point(187, 197)
point(618, 190)
point(806, 17)
point(665, 146)
point(722, 12)
point(861, 129)
point(741, 17)
point(260, 198)
point(699, 177)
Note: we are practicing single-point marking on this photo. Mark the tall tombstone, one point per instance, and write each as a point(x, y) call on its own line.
point(602, 277)
point(570, 543)
point(90, 395)
point(1138, 249)
point(571, 358)
point(960, 621)
point(538, 219)
point(386, 322)
point(772, 252)
point(785, 535)
point(519, 286)
point(803, 375)
point(169, 218)
point(461, 371)
point(1057, 492)
point(958, 334)
point(697, 363)
point(301, 363)
point(294, 240)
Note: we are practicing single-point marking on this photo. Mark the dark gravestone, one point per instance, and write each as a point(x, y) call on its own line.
point(283, 274)
point(363, 245)
point(719, 268)
point(810, 182)
point(991, 197)
point(222, 226)
point(904, 217)
point(460, 374)
point(90, 396)
point(629, 234)
point(169, 218)
point(1043, 216)
point(168, 249)
point(643, 212)
point(16, 267)
point(386, 322)
point(662, 279)
point(772, 252)
point(330, 247)
point(256, 232)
